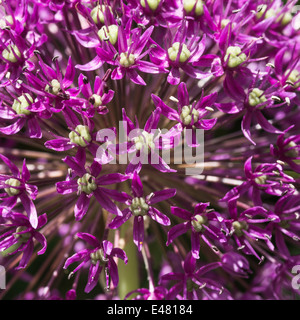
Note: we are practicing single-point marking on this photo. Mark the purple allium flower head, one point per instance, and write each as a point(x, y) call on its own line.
point(100, 256)
point(164, 133)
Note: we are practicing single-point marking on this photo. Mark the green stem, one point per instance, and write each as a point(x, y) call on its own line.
point(128, 273)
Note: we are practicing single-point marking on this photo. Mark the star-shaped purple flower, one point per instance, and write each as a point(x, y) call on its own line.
point(201, 223)
point(101, 255)
point(20, 236)
point(87, 182)
point(188, 115)
point(140, 207)
point(16, 187)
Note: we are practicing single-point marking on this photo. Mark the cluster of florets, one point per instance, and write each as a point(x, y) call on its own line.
point(71, 72)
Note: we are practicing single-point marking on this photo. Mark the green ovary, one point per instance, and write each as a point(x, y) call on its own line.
point(144, 140)
point(11, 191)
point(236, 57)
point(80, 136)
point(198, 222)
point(294, 77)
point(11, 53)
point(126, 60)
point(21, 103)
point(187, 114)
point(189, 5)
point(239, 226)
point(153, 4)
point(110, 33)
point(256, 97)
point(98, 256)
point(98, 12)
point(139, 207)
point(87, 183)
point(54, 87)
point(174, 51)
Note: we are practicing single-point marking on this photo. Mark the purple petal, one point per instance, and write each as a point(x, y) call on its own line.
point(177, 231)
point(25, 172)
point(183, 95)
point(174, 76)
point(106, 203)
point(116, 195)
point(95, 168)
point(119, 220)
point(34, 128)
point(119, 253)
point(89, 238)
point(165, 110)
point(266, 125)
point(30, 209)
point(113, 271)
point(81, 206)
point(93, 277)
point(189, 264)
point(136, 186)
point(15, 127)
point(75, 164)
point(148, 67)
point(181, 213)
point(194, 73)
point(61, 144)
point(81, 255)
point(153, 120)
point(107, 247)
point(195, 240)
point(13, 168)
point(158, 163)
point(205, 124)
point(6, 112)
point(162, 195)
point(69, 75)
point(118, 73)
point(246, 122)
point(42, 240)
point(158, 216)
point(94, 64)
point(138, 232)
point(27, 253)
point(201, 207)
point(111, 178)
point(229, 107)
point(135, 77)
point(66, 187)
